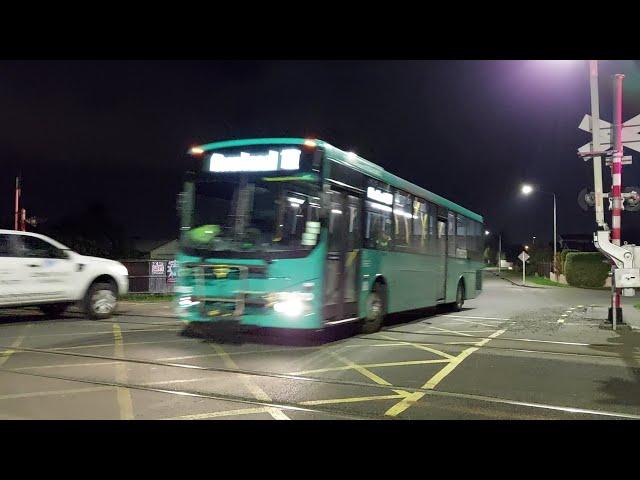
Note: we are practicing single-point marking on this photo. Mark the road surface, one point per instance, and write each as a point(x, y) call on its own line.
point(512, 353)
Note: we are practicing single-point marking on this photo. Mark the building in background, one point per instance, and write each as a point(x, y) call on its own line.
point(583, 242)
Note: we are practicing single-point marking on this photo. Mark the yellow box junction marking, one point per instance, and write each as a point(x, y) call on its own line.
point(454, 332)
point(4, 356)
point(405, 403)
point(421, 347)
point(124, 396)
point(362, 369)
point(255, 390)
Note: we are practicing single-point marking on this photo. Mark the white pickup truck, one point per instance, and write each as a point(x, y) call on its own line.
point(35, 270)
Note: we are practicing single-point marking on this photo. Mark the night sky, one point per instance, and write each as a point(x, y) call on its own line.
point(116, 132)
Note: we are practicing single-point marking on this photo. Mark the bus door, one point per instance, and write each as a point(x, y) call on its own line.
point(343, 256)
point(441, 236)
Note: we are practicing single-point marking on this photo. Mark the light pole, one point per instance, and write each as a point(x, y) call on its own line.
point(487, 232)
point(527, 190)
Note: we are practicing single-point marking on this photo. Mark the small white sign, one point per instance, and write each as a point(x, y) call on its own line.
point(524, 256)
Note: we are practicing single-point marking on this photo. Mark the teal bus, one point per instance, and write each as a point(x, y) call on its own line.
point(295, 233)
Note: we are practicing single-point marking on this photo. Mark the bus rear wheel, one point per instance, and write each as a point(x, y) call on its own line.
point(376, 310)
point(457, 305)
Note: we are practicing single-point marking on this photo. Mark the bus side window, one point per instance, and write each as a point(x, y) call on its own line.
point(461, 236)
point(402, 220)
point(451, 234)
point(420, 226)
point(378, 226)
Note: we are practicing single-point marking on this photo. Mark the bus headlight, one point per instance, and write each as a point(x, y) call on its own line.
point(292, 304)
point(290, 308)
point(185, 301)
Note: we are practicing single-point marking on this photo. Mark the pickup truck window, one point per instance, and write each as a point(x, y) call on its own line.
point(34, 247)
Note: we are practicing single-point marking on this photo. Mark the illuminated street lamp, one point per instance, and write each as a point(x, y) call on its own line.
point(527, 189)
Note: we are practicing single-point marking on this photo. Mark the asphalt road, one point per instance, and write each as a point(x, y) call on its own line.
point(512, 353)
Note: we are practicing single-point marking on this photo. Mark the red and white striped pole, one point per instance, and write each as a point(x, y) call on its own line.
point(616, 185)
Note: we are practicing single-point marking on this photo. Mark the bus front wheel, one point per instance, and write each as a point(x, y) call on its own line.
point(376, 309)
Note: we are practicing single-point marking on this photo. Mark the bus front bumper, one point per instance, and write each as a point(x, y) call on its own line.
point(289, 314)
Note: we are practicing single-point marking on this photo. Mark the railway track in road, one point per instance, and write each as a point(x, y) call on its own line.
point(300, 378)
point(373, 337)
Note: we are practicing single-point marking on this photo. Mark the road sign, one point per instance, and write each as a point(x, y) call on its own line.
point(524, 256)
point(630, 134)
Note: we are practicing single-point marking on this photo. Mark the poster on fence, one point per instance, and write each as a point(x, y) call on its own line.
point(157, 279)
point(157, 268)
point(172, 271)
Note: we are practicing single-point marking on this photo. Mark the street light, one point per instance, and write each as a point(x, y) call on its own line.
point(527, 189)
point(487, 232)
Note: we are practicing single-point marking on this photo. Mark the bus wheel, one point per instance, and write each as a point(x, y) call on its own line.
point(457, 306)
point(376, 310)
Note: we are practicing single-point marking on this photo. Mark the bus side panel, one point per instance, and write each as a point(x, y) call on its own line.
point(412, 280)
point(458, 268)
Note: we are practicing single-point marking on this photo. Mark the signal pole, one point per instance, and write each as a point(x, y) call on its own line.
point(616, 191)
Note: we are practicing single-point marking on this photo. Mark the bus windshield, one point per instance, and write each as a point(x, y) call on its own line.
point(254, 213)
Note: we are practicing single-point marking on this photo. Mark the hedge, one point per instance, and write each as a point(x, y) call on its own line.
point(563, 257)
point(586, 269)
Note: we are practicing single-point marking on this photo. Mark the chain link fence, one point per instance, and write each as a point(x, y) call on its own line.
point(151, 276)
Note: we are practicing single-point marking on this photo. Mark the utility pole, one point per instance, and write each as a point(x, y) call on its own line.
point(555, 238)
point(23, 220)
point(595, 144)
point(616, 191)
point(16, 211)
point(499, 251)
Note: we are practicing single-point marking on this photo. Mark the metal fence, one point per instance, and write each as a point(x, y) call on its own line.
point(151, 276)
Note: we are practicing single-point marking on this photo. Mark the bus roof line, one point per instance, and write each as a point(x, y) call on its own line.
point(354, 161)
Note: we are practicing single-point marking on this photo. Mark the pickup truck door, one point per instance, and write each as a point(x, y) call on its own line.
point(48, 272)
point(11, 277)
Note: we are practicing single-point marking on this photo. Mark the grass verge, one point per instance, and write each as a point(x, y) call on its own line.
point(545, 282)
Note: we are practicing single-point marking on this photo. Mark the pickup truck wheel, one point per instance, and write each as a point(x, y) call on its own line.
point(100, 300)
point(53, 310)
